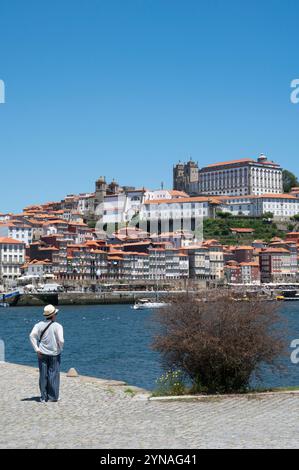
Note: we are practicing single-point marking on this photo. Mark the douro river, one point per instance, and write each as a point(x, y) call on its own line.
point(113, 341)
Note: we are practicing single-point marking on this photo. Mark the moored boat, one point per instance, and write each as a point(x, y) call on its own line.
point(143, 304)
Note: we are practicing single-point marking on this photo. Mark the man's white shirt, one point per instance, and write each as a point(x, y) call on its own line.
point(52, 341)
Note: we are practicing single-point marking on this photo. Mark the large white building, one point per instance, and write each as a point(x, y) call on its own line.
point(280, 205)
point(241, 177)
point(124, 207)
point(174, 215)
point(12, 257)
point(232, 178)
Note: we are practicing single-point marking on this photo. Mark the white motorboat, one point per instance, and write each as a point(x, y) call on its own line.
point(143, 304)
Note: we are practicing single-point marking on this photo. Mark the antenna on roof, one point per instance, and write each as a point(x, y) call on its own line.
point(162, 185)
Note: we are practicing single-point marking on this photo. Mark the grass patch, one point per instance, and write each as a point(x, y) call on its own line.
point(130, 392)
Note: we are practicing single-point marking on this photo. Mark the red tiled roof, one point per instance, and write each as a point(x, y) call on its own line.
point(174, 192)
point(183, 200)
point(231, 162)
point(275, 250)
point(244, 247)
point(10, 241)
point(251, 263)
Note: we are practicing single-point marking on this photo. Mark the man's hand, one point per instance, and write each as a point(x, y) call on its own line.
point(39, 354)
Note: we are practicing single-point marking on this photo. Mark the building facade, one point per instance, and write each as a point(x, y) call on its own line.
point(18, 231)
point(280, 205)
point(276, 265)
point(231, 178)
point(12, 257)
point(206, 261)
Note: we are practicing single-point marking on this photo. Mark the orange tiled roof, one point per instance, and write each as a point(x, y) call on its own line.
point(275, 250)
point(10, 241)
point(174, 192)
point(56, 222)
point(277, 196)
point(231, 162)
point(251, 263)
point(244, 247)
point(184, 200)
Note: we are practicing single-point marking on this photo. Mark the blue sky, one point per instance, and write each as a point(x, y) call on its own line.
point(125, 88)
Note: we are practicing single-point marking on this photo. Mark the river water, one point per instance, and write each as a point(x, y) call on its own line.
point(113, 342)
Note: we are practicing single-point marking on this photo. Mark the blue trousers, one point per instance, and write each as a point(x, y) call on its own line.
point(49, 377)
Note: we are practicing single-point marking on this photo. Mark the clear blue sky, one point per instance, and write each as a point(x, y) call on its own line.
point(125, 88)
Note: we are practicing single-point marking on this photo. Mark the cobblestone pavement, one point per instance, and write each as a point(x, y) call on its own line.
point(98, 414)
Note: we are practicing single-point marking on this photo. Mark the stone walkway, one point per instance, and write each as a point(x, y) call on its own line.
point(103, 415)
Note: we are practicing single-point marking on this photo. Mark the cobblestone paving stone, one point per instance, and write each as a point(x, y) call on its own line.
point(96, 414)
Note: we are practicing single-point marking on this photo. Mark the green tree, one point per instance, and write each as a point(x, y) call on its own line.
point(223, 215)
point(289, 181)
point(268, 215)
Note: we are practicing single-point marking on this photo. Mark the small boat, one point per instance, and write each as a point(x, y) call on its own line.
point(143, 304)
point(287, 299)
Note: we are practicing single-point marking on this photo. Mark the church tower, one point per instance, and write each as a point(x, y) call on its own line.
point(101, 190)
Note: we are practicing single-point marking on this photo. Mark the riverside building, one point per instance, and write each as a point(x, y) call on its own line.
point(12, 256)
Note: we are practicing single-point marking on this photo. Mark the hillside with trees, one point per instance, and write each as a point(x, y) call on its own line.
point(220, 229)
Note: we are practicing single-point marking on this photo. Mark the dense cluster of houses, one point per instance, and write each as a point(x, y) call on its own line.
point(42, 243)
point(124, 233)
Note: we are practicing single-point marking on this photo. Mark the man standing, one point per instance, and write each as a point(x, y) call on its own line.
point(47, 341)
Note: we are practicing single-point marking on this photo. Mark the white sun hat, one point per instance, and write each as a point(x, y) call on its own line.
point(50, 310)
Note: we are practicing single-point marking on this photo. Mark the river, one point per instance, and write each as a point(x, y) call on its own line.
point(113, 341)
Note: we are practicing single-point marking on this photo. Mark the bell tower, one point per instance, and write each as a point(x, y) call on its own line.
point(101, 190)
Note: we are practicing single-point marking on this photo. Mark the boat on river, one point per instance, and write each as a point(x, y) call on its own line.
point(288, 295)
point(144, 304)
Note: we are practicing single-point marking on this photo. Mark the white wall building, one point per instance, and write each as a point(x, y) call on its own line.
point(163, 194)
point(38, 268)
point(173, 215)
point(241, 177)
point(123, 207)
point(86, 203)
point(12, 257)
point(4, 217)
point(281, 205)
point(20, 232)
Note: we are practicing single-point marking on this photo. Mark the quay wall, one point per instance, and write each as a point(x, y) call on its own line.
point(77, 298)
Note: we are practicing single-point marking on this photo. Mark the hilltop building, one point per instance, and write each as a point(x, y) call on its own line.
point(232, 178)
